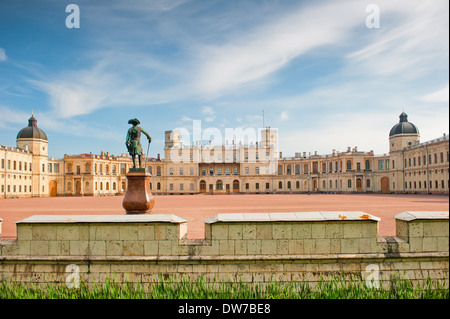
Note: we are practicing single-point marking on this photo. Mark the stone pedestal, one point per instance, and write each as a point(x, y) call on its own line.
point(138, 198)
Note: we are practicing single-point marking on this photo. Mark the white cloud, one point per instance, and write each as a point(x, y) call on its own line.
point(284, 115)
point(438, 96)
point(209, 113)
point(3, 56)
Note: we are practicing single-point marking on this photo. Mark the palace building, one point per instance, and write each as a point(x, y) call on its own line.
point(410, 167)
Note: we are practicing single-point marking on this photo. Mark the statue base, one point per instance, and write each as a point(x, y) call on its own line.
point(138, 198)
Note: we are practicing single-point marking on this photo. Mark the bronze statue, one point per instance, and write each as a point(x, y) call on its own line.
point(133, 141)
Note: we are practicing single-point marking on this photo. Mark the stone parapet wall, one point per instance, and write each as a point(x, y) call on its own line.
point(250, 247)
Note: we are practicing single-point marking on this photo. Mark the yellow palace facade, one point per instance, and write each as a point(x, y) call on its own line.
point(410, 167)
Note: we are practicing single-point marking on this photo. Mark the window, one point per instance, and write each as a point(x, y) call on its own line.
point(367, 164)
point(289, 184)
point(191, 170)
point(158, 186)
point(267, 185)
point(181, 170)
point(288, 169)
point(191, 187)
point(388, 164)
point(358, 166)
point(43, 167)
point(219, 185)
point(219, 170)
point(246, 170)
point(280, 185)
point(181, 187)
point(280, 170)
point(305, 169)
point(158, 170)
point(227, 170)
point(235, 170)
point(256, 170)
point(297, 169)
point(171, 187)
point(442, 157)
point(381, 165)
point(297, 184)
point(368, 183)
point(349, 164)
point(257, 186)
point(171, 171)
point(247, 186)
point(349, 183)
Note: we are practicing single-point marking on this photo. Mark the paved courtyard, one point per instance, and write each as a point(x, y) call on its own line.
point(197, 208)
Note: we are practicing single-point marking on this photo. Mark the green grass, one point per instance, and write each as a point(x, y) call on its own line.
point(336, 288)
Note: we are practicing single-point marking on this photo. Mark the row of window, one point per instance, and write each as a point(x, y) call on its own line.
point(417, 161)
point(16, 165)
point(420, 185)
point(16, 188)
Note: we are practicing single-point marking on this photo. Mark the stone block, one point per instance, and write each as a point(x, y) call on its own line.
point(160, 231)
point(133, 248)
point(44, 232)
point(349, 246)
point(114, 248)
point(430, 244)
point(240, 247)
point(219, 231)
point(268, 247)
point(146, 232)
point(415, 228)
point(323, 246)
point(24, 247)
point(150, 248)
point(39, 247)
point(442, 244)
point(301, 231)
point(436, 228)
point(249, 231)
point(253, 247)
point(282, 231)
point(24, 232)
point(295, 246)
point(235, 231)
point(335, 245)
point(318, 230)
point(226, 247)
point(282, 246)
point(172, 232)
point(79, 247)
point(165, 247)
point(128, 231)
point(309, 246)
point(108, 232)
point(333, 230)
point(352, 230)
point(264, 231)
point(97, 247)
point(415, 244)
point(401, 227)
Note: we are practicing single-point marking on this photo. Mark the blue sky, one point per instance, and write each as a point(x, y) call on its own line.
point(323, 79)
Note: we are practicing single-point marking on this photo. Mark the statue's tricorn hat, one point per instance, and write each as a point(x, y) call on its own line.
point(134, 122)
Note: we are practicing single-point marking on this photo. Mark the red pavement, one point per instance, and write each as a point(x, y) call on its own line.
point(197, 208)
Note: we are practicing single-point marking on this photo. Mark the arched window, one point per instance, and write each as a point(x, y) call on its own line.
point(107, 186)
point(114, 186)
point(202, 185)
point(158, 186)
point(219, 185)
point(349, 164)
point(289, 185)
point(280, 185)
